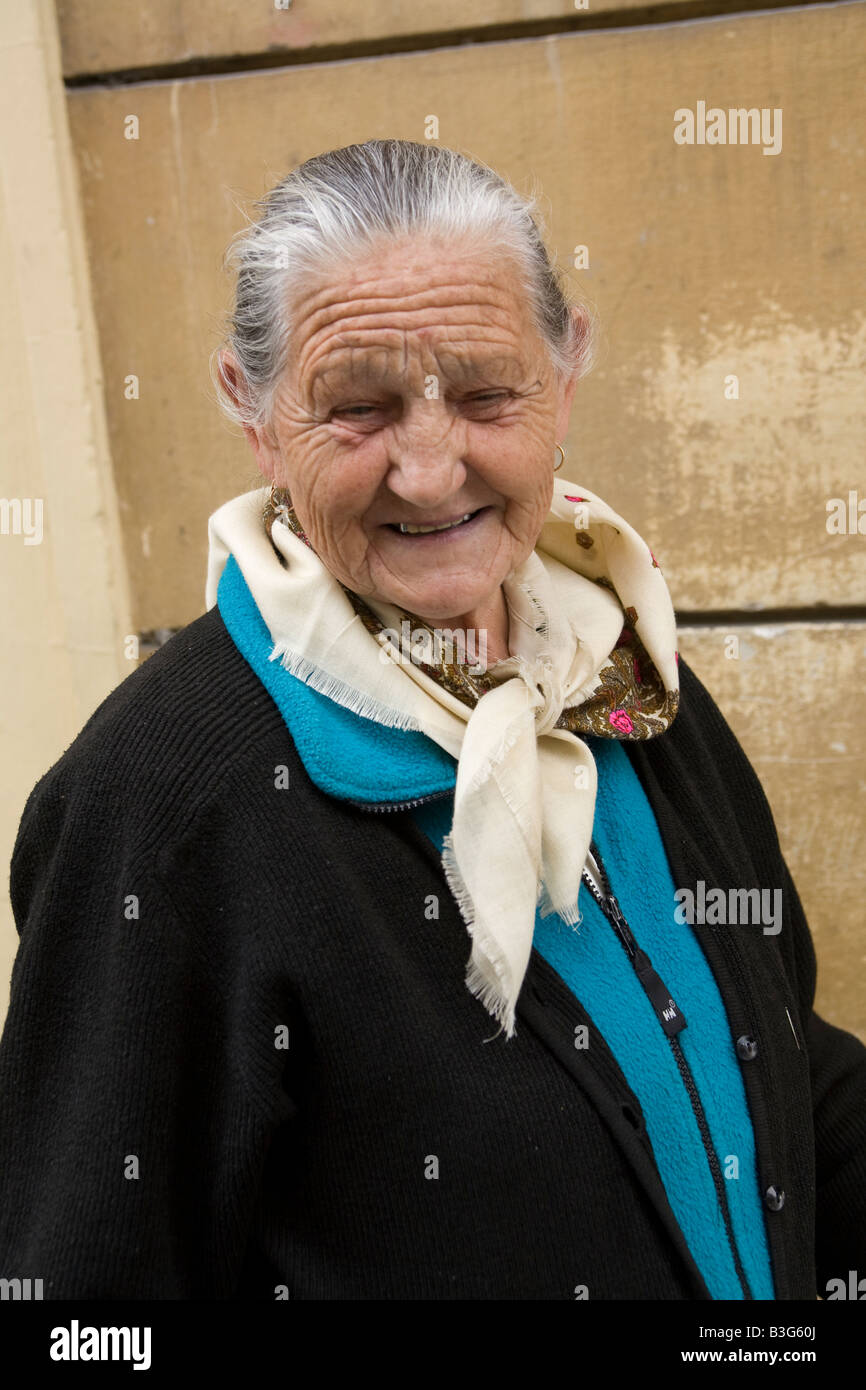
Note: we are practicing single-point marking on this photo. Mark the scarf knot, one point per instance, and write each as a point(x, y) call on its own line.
point(546, 693)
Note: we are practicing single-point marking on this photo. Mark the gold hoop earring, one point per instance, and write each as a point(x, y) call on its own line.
point(557, 466)
point(277, 506)
point(279, 498)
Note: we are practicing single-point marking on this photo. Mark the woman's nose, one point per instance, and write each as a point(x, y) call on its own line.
point(424, 473)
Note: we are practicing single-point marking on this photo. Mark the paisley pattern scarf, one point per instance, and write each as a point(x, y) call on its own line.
point(592, 642)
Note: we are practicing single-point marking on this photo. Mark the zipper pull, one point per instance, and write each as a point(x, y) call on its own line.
point(655, 989)
point(614, 914)
point(666, 1011)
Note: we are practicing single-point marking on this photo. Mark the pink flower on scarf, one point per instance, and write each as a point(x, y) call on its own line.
point(620, 720)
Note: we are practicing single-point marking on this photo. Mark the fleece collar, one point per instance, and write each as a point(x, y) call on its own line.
point(348, 756)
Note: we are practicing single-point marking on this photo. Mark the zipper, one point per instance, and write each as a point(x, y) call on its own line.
point(672, 1022)
point(401, 805)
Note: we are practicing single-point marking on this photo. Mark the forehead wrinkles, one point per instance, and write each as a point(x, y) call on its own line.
point(390, 340)
point(429, 283)
point(393, 318)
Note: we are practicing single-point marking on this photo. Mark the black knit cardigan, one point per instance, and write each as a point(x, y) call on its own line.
point(236, 1043)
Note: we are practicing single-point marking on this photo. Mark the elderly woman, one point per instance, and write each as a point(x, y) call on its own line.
point(427, 765)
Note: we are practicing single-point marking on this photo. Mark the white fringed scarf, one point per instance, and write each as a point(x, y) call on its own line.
point(525, 794)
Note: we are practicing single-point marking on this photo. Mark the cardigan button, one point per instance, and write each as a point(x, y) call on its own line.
point(774, 1198)
point(747, 1048)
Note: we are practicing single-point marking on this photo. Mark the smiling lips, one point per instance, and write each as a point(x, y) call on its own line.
point(405, 528)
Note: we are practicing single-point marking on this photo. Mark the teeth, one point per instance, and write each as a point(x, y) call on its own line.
point(408, 530)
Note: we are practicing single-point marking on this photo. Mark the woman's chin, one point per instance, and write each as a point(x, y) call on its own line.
point(439, 606)
point(441, 574)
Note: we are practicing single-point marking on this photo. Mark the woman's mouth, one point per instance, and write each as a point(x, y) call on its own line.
point(442, 528)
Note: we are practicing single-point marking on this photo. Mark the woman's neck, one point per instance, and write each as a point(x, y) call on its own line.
point(482, 632)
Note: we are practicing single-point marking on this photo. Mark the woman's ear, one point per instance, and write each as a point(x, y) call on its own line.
point(568, 383)
point(259, 437)
point(567, 388)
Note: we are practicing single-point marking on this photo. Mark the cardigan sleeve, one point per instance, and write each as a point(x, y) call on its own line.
point(132, 1147)
point(837, 1068)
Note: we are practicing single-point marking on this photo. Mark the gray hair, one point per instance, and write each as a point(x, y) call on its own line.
point(347, 200)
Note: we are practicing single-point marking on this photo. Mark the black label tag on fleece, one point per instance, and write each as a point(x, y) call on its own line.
point(659, 995)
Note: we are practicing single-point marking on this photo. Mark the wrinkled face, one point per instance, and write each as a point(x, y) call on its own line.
point(418, 392)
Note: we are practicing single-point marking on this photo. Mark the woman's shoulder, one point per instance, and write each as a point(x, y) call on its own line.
point(699, 721)
point(169, 732)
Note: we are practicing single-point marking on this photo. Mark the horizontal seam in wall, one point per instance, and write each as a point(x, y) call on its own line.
point(152, 638)
point(770, 617)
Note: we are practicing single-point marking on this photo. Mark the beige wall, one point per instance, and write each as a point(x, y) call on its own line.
point(705, 262)
point(64, 600)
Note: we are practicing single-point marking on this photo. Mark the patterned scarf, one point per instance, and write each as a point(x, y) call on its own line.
point(592, 641)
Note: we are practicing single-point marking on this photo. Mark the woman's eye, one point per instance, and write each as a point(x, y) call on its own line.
point(487, 398)
point(484, 401)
